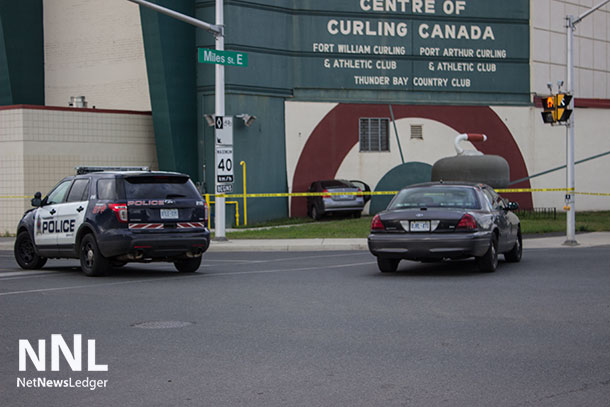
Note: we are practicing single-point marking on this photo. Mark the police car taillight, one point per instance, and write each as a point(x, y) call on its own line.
point(120, 210)
point(205, 212)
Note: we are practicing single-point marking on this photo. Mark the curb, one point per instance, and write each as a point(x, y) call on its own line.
point(288, 245)
point(593, 239)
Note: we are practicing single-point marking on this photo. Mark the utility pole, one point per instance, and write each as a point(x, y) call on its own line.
point(218, 31)
point(571, 22)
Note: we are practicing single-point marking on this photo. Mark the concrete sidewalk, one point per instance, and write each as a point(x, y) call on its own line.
point(300, 245)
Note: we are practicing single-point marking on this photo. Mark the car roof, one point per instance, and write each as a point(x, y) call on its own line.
point(127, 173)
point(449, 183)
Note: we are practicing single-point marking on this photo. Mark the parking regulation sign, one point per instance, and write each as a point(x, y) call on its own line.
point(224, 169)
point(223, 130)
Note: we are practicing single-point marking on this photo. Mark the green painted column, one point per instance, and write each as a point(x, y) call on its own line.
point(171, 58)
point(21, 52)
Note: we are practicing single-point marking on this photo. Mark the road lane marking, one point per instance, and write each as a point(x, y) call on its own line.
point(232, 273)
point(41, 290)
point(350, 254)
point(34, 275)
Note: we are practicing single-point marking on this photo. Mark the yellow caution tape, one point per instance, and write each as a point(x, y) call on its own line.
point(513, 190)
point(593, 193)
point(304, 194)
point(369, 193)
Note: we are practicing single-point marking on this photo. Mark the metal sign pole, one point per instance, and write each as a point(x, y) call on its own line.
point(571, 22)
point(220, 206)
point(570, 183)
point(218, 30)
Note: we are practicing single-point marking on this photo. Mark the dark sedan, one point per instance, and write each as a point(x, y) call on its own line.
point(436, 221)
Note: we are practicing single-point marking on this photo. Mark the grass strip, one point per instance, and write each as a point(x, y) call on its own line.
point(359, 228)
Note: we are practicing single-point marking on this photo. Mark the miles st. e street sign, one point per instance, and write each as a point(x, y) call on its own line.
point(212, 56)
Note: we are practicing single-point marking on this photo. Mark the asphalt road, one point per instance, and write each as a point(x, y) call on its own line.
point(311, 329)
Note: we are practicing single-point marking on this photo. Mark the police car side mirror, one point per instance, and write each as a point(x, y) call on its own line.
point(36, 201)
point(513, 206)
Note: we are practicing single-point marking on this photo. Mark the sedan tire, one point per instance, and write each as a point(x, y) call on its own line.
point(188, 265)
point(514, 256)
point(315, 213)
point(387, 265)
point(489, 261)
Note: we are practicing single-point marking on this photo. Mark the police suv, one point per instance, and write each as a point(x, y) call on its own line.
point(108, 216)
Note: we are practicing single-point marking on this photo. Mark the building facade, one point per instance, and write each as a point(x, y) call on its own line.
point(344, 89)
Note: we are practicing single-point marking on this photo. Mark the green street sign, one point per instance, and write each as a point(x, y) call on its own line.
point(212, 56)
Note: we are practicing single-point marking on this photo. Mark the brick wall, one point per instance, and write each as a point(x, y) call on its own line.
point(95, 49)
point(591, 47)
point(40, 146)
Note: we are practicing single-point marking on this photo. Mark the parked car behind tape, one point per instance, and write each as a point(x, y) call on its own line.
point(352, 202)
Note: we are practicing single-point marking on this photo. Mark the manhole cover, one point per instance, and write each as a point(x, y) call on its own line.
point(162, 324)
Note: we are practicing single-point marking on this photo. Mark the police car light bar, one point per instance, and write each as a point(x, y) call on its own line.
point(86, 170)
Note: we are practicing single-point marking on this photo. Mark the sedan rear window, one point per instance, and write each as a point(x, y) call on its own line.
point(437, 197)
point(166, 187)
point(335, 183)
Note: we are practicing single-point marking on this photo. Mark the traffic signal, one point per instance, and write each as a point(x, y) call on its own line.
point(549, 115)
point(556, 108)
point(563, 102)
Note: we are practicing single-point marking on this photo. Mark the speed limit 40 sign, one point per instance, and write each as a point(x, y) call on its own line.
point(224, 169)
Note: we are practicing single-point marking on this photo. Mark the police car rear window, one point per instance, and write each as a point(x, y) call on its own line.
point(106, 189)
point(165, 187)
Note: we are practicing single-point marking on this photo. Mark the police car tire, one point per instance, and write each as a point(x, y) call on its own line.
point(91, 260)
point(188, 265)
point(25, 253)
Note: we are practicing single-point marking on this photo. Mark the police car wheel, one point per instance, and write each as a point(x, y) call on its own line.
point(188, 265)
point(91, 260)
point(25, 253)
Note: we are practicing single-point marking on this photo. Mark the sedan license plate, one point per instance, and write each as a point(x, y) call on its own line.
point(169, 213)
point(419, 226)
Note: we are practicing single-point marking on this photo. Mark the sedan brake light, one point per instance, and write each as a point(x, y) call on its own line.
point(326, 195)
point(120, 210)
point(376, 224)
point(467, 223)
point(359, 194)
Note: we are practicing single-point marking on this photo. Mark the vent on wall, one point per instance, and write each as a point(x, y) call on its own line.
point(417, 132)
point(77, 101)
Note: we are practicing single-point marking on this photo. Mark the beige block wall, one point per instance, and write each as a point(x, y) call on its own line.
point(40, 147)
point(95, 49)
point(11, 167)
point(591, 47)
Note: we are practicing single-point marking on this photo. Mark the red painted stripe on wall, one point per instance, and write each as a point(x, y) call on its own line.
point(74, 109)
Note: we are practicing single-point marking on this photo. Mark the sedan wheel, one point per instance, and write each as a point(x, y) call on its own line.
point(315, 213)
point(489, 261)
point(514, 256)
point(188, 265)
point(387, 265)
